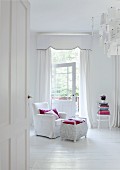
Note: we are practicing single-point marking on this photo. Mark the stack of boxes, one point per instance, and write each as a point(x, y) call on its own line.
point(103, 109)
point(103, 113)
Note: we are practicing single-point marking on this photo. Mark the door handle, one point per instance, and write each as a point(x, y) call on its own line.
point(29, 97)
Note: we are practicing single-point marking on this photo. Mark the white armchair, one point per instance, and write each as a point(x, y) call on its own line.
point(46, 124)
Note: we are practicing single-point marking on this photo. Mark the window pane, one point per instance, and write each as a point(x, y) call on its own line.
point(62, 83)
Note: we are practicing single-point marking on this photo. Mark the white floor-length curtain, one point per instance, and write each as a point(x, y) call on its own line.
point(116, 114)
point(43, 76)
point(84, 94)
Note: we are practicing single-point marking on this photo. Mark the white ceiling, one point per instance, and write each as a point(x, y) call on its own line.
point(67, 16)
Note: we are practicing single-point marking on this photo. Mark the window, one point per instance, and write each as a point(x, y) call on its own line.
point(62, 74)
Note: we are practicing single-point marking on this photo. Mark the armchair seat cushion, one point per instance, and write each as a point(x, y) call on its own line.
point(58, 122)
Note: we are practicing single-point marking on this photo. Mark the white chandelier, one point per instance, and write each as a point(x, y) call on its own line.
point(110, 31)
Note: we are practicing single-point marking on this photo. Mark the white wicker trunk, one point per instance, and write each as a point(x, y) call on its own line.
point(73, 132)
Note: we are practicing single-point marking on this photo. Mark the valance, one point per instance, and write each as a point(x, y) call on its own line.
point(64, 41)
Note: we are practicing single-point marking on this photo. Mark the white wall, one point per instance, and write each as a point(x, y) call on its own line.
point(102, 76)
point(102, 67)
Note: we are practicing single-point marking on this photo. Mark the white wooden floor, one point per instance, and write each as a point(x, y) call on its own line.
point(99, 151)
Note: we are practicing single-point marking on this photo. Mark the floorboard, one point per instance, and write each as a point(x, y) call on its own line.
point(99, 151)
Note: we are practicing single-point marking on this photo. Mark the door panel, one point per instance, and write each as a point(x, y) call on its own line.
point(13, 64)
point(4, 62)
point(14, 141)
point(4, 155)
point(21, 151)
point(21, 61)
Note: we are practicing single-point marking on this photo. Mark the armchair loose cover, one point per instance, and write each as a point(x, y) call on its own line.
point(46, 124)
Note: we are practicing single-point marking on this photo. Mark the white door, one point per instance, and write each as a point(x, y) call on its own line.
point(14, 19)
point(64, 87)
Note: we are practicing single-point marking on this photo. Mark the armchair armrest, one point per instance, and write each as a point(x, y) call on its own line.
point(44, 125)
point(63, 115)
point(44, 117)
point(44, 120)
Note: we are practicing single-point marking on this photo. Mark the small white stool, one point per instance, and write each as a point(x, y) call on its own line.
point(103, 118)
point(73, 132)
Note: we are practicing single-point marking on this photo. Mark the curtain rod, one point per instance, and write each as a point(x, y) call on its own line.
point(64, 49)
point(65, 33)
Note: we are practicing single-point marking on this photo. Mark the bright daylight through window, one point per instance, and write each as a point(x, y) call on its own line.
point(62, 75)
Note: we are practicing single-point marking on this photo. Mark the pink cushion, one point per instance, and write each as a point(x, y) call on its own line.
point(51, 112)
point(55, 110)
point(73, 122)
point(43, 111)
point(104, 112)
